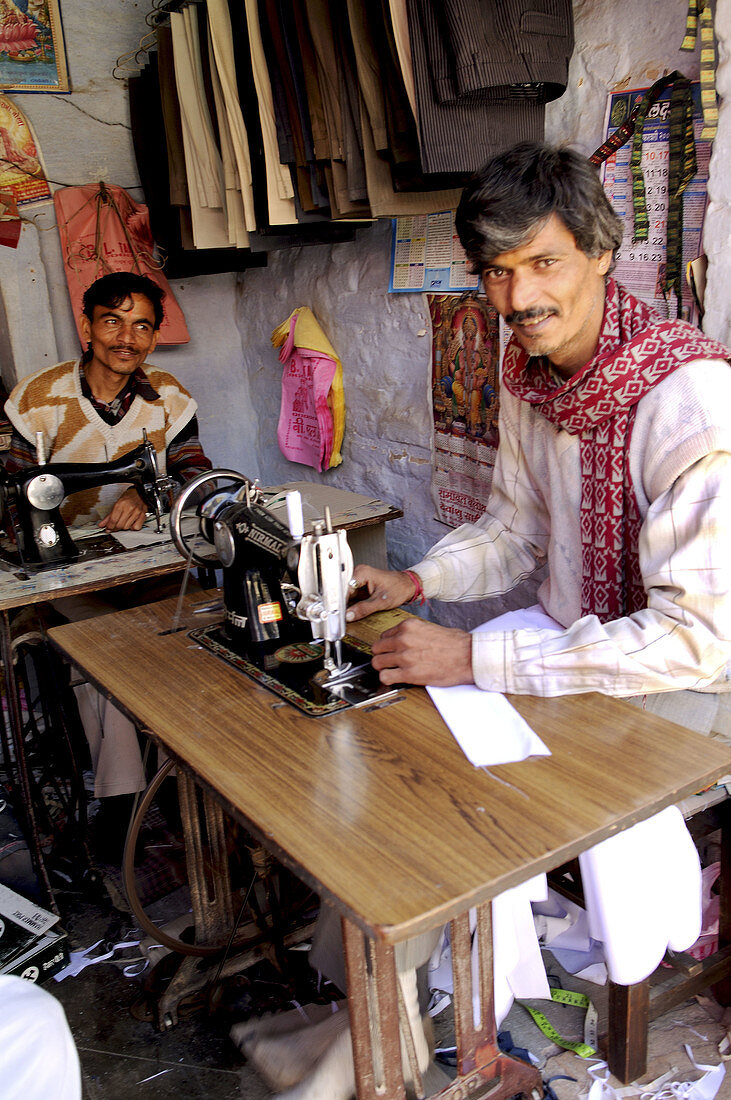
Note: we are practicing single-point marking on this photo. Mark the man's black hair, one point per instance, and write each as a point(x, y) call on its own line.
point(112, 290)
point(509, 200)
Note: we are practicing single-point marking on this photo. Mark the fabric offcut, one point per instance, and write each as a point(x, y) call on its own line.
point(312, 414)
point(643, 894)
point(519, 972)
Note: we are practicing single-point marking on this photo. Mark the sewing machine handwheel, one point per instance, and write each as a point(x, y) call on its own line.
point(176, 514)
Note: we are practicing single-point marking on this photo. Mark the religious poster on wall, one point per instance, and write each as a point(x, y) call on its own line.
point(465, 380)
point(21, 172)
point(32, 54)
point(642, 264)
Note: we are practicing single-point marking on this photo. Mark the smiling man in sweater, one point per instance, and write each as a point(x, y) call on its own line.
point(614, 467)
point(94, 409)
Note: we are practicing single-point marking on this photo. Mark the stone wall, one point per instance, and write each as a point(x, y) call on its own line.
point(383, 339)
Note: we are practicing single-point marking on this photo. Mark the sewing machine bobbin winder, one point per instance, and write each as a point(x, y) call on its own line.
point(285, 595)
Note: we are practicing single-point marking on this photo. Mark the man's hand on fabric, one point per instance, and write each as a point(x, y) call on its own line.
point(386, 589)
point(419, 652)
point(127, 514)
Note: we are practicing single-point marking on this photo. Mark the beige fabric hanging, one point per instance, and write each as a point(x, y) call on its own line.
point(280, 193)
point(220, 23)
point(202, 160)
point(235, 218)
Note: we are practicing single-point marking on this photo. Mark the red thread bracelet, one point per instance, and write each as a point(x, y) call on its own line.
point(418, 596)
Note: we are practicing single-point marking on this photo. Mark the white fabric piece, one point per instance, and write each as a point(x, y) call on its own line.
point(663, 1087)
point(38, 1058)
point(517, 963)
point(519, 969)
point(563, 927)
point(643, 894)
point(509, 738)
point(505, 739)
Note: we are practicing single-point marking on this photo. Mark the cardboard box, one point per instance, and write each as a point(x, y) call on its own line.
point(43, 959)
point(30, 944)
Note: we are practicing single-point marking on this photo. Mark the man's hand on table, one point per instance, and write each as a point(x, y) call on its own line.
point(418, 652)
point(415, 651)
point(127, 514)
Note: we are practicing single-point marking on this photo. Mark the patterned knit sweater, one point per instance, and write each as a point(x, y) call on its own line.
point(51, 401)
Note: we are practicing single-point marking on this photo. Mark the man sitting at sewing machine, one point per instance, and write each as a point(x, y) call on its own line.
point(614, 467)
point(94, 410)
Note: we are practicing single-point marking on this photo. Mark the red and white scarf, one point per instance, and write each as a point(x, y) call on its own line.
point(636, 350)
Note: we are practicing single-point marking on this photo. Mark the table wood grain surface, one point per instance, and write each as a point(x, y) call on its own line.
point(378, 809)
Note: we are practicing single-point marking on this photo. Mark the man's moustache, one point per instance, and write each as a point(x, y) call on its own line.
point(521, 315)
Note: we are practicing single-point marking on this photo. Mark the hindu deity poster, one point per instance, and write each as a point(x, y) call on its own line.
point(465, 378)
point(32, 54)
point(21, 172)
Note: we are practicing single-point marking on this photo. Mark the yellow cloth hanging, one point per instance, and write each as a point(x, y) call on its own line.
point(308, 334)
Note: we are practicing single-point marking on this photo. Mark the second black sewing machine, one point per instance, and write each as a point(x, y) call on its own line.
point(36, 535)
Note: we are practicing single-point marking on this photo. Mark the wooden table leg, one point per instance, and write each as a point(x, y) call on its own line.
point(483, 1071)
point(629, 1017)
point(374, 1015)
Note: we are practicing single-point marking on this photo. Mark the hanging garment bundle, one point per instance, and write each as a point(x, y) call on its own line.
point(102, 230)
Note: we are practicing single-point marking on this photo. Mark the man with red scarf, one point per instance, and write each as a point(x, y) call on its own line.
point(614, 467)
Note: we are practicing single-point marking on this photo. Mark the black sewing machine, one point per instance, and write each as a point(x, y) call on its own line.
point(285, 595)
point(32, 498)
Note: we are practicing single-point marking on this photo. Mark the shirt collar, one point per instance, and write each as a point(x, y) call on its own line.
point(137, 383)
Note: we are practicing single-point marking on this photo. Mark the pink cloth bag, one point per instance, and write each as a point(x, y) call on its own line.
point(305, 430)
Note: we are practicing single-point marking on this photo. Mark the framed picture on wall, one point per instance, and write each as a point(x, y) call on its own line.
point(32, 52)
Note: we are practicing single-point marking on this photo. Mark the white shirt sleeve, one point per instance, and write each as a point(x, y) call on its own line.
point(504, 546)
point(681, 640)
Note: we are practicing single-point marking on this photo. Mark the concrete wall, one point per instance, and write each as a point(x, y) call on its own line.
point(382, 339)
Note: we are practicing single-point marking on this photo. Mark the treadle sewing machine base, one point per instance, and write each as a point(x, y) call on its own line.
point(295, 672)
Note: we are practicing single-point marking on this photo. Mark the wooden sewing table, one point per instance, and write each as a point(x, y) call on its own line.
point(363, 517)
point(379, 811)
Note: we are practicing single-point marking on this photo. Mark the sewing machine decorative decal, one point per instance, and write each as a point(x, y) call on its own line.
point(285, 594)
point(32, 499)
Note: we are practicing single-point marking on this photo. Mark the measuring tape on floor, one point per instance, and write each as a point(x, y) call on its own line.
point(587, 1049)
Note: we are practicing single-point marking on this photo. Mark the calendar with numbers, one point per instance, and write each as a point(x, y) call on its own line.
point(641, 265)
